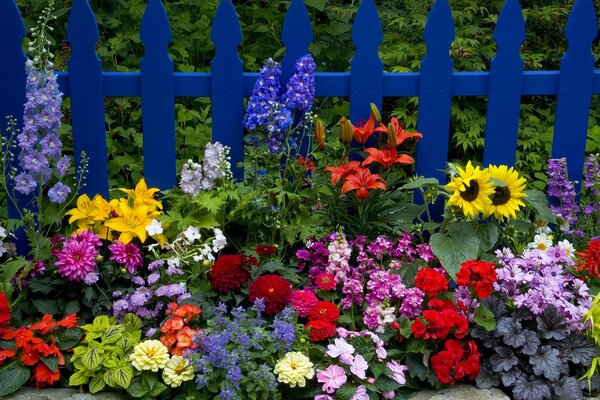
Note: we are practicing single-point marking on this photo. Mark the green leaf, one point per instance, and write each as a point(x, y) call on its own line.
point(12, 377)
point(79, 378)
point(72, 307)
point(11, 268)
point(487, 235)
point(46, 306)
point(158, 389)
point(416, 368)
point(385, 384)
point(69, 338)
point(132, 322)
point(112, 333)
point(137, 389)
point(97, 384)
point(377, 368)
point(51, 363)
point(460, 245)
point(484, 317)
point(318, 4)
point(149, 378)
point(539, 202)
point(92, 358)
point(345, 392)
point(119, 377)
point(420, 183)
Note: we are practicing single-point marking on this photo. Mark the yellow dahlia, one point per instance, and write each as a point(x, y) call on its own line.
point(471, 190)
point(150, 355)
point(177, 371)
point(506, 199)
point(294, 368)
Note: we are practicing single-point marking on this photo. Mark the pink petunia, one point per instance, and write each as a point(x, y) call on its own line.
point(332, 378)
point(342, 349)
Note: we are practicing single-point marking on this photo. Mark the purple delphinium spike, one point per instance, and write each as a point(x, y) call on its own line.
point(300, 92)
point(560, 188)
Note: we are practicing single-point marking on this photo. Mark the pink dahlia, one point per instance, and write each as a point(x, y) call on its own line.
point(303, 301)
point(77, 258)
point(128, 255)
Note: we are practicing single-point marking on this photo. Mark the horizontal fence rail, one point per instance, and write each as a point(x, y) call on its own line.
point(227, 84)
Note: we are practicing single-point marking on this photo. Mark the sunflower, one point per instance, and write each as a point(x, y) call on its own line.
point(506, 199)
point(471, 190)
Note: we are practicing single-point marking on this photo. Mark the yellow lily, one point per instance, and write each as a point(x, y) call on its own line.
point(83, 213)
point(131, 222)
point(141, 192)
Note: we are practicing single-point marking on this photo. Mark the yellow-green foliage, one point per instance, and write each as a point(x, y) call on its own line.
point(593, 332)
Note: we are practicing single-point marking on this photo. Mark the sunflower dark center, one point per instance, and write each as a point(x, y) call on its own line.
point(501, 196)
point(471, 191)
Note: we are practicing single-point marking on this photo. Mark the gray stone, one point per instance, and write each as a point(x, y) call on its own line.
point(462, 392)
point(60, 394)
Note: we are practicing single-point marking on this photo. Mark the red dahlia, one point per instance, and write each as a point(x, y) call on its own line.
point(4, 311)
point(589, 259)
point(479, 275)
point(229, 272)
point(325, 311)
point(456, 361)
point(431, 282)
point(320, 330)
point(274, 290)
point(265, 249)
point(325, 281)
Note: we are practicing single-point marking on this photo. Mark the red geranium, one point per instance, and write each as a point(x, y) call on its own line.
point(479, 275)
point(325, 281)
point(325, 311)
point(273, 289)
point(320, 330)
point(229, 272)
point(439, 324)
point(456, 361)
point(431, 282)
point(4, 311)
point(589, 259)
point(265, 249)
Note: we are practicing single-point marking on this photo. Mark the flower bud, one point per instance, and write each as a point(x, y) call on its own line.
point(346, 130)
point(123, 270)
point(375, 112)
point(392, 135)
point(320, 134)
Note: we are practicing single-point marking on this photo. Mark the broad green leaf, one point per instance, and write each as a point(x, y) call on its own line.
point(345, 392)
point(12, 377)
point(51, 363)
point(420, 183)
point(460, 245)
point(112, 333)
point(539, 202)
point(132, 322)
point(385, 384)
point(138, 389)
point(79, 378)
point(11, 268)
point(416, 368)
point(92, 358)
point(119, 377)
point(318, 4)
point(158, 389)
point(488, 236)
point(97, 384)
point(484, 317)
point(46, 306)
point(378, 368)
point(69, 338)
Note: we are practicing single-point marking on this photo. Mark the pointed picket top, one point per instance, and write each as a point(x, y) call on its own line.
point(367, 32)
point(226, 32)
point(156, 29)
point(297, 35)
point(82, 30)
point(510, 27)
point(439, 30)
point(582, 26)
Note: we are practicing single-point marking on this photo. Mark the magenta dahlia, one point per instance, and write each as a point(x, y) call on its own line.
point(78, 257)
point(128, 255)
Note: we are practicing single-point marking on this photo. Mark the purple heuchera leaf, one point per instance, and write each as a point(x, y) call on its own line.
point(531, 390)
point(552, 325)
point(503, 360)
point(547, 363)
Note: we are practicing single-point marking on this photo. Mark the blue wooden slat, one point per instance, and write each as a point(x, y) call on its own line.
point(575, 89)
point(366, 78)
point(227, 84)
point(158, 102)
point(435, 93)
point(12, 87)
point(504, 99)
point(87, 97)
point(297, 35)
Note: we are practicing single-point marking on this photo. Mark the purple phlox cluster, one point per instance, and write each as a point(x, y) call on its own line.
point(315, 256)
point(138, 302)
point(592, 184)
point(77, 258)
point(300, 92)
point(563, 192)
point(353, 290)
point(198, 177)
point(39, 144)
point(539, 278)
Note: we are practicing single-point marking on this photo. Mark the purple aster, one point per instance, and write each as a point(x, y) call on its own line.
point(91, 278)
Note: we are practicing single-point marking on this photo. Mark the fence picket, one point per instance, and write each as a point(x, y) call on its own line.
point(297, 35)
point(575, 89)
point(366, 76)
point(504, 95)
point(227, 84)
point(12, 88)
point(435, 93)
point(158, 98)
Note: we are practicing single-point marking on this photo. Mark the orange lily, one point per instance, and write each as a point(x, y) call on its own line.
point(362, 181)
point(307, 163)
point(342, 171)
point(386, 157)
point(397, 135)
point(363, 133)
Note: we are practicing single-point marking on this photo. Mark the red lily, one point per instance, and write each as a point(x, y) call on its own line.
point(307, 163)
point(363, 133)
point(400, 134)
point(342, 171)
point(386, 157)
point(362, 181)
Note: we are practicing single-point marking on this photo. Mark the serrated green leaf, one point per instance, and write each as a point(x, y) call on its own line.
point(92, 358)
point(132, 322)
point(45, 306)
point(137, 389)
point(385, 384)
point(12, 377)
point(158, 389)
point(97, 384)
point(377, 368)
point(79, 378)
point(69, 338)
point(112, 333)
point(119, 377)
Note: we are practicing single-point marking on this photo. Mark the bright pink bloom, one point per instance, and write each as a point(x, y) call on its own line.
point(78, 256)
point(128, 255)
point(303, 301)
point(332, 378)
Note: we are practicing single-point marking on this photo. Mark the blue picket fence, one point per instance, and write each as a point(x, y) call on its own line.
point(227, 84)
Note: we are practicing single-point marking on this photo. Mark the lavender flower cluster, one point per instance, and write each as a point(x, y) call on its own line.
point(592, 183)
point(539, 278)
point(227, 348)
point(267, 110)
point(562, 190)
point(40, 146)
point(196, 177)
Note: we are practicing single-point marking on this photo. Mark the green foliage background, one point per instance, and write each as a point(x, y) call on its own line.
point(120, 49)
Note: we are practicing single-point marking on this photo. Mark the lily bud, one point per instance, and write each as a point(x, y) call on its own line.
point(376, 113)
point(392, 135)
point(346, 130)
point(320, 134)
